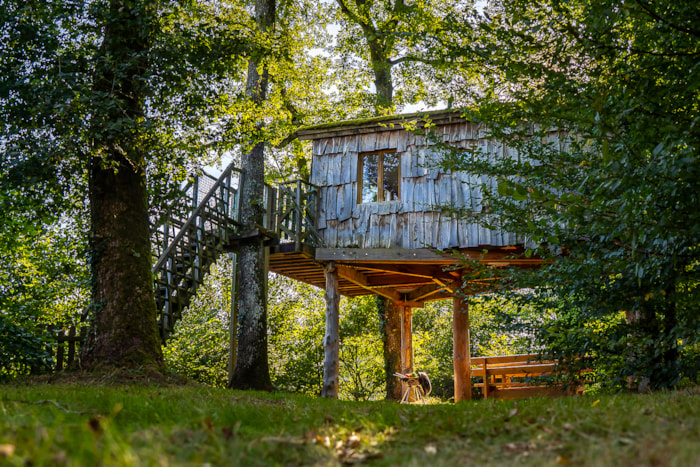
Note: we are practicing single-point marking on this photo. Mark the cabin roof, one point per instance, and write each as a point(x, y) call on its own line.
point(378, 124)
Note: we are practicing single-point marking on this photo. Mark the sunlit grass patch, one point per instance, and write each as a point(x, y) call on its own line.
point(184, 425)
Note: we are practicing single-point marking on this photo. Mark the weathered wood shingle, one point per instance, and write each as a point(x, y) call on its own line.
point(417, 221)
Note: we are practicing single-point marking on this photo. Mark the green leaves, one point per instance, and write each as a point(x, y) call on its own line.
point(607, 172)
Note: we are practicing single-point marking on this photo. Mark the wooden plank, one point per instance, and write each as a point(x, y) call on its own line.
point(454, 237)
point(506, 359)
point(381, 254)
point(345, 166)
point(374, 230)
point(331, 232)
point(444, 226)
point(401, 140)
point(398, 225)
point(368, 142)
point(331, 203)
point(394, 138)
point(335, 169)
point(353, 158)
point(345, 202)
point(385, 234)
point(517, 370)
point(349, 144)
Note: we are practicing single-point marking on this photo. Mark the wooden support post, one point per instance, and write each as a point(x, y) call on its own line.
point(406, 340)
point(331, 341)
point(391, 342)
point(406, 345)
point(233, 320)
point(461, 352)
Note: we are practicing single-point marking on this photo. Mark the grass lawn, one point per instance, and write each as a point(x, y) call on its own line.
point(71, 423)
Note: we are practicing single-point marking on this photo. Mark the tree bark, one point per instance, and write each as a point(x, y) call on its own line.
point(406, 340)
point(123, 331)
point(252, 370)
point(461, 351)
point(383, 84)
point(331, 340)
point(390, 321)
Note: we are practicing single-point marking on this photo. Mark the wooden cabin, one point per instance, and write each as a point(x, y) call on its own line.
point(379, 228)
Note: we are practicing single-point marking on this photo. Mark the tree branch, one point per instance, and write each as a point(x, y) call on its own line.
point(656, 16)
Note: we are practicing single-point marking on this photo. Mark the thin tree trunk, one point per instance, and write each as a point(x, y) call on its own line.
point(123, 329)
point(252, 370)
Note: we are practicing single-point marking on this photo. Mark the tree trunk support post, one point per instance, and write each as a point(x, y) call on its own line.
point(391, 341)
point(233, 320)
point(406, 340)
point(461, 352)
point(331, 341)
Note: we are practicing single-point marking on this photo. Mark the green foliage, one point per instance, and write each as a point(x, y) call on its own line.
point(198, 348)
point(596, 103)
point(199, 345)
point(21, 352)
point(296, 322)
point(297, 326)
point(361, 355)
point(384, 58)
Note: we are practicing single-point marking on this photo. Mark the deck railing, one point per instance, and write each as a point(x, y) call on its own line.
point(297, 213)
point(186, 244)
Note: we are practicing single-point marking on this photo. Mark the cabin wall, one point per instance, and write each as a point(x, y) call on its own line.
point(415, 221)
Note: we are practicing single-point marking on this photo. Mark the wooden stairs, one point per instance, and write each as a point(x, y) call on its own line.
point(197, 229)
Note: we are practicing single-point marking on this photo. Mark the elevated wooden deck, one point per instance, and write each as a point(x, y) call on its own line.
point(408, 277)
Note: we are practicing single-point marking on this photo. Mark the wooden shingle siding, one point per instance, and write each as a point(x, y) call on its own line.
point(415, 221)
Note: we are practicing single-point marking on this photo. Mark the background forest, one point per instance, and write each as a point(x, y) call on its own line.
point(615, 211)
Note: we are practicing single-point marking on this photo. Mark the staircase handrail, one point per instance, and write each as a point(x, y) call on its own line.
point(200, 206)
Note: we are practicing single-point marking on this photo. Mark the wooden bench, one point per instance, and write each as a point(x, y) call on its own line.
point(516, 376)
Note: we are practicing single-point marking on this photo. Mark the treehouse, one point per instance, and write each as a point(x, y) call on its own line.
point(381, 226)
point(371, 220)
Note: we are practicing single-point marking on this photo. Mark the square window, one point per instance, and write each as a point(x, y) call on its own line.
point(379, 177)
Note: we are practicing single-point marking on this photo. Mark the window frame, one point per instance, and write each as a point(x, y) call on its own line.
point(380, 174)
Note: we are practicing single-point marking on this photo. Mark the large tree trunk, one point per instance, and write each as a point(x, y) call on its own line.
point(381, 66)
point(123, 329)
point(252, 370)
point(390, 321)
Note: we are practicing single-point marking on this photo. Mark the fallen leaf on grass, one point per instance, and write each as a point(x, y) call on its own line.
point(7, 450)
point(625, 441)
point(95, 424)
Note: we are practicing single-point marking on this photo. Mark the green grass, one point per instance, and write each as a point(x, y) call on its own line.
point(75, 424)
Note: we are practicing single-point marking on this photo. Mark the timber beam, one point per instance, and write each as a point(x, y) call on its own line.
point(360, 279)
point(424, 292)
point(392, 255)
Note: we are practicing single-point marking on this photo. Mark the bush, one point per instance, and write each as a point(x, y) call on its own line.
point(21, 351)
